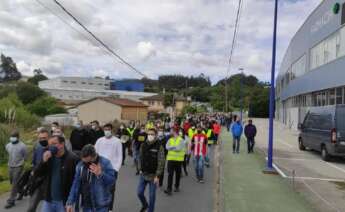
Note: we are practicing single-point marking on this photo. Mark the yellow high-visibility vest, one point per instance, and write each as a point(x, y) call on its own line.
point(131, 132)
point(175, 155)
point(209, 134)
point(191, 133)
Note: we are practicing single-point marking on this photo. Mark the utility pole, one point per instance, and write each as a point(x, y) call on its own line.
point(241, 93)
point(269, 168)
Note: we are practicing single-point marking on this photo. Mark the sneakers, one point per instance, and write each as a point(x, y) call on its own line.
point(168, 192)
point(9, 205)
point(144, 208)
point(201, 181)
point(176, 190)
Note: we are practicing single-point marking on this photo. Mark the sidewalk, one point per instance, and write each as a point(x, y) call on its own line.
point(246, 189)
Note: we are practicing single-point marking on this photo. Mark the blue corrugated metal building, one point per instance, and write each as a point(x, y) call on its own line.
point(127, 85)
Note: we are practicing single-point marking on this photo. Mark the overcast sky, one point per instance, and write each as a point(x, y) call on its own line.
point(186, 37)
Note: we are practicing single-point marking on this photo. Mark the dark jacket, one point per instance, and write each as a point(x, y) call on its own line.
point(37, 154)
point(250, 131)
point(79, 138)
point(95, 135)
point(69, 163)
point(99, 186)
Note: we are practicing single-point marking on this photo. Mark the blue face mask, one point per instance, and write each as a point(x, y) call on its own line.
point(53, 149)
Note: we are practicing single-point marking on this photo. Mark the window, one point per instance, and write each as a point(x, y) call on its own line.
point(332, 96)
point(90, 83)
point(73, 82)
point(339, 96)
point(298, 68)
point(64, 81)
point(83, 83)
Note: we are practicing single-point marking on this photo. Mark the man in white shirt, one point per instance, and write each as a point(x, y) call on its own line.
point(110, 147)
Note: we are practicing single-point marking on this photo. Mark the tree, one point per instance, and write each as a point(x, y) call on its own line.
point(45, 105)
point(168, 100)
point(28, 92)
point(9, 69)
point(37, 78)
point(38, 72)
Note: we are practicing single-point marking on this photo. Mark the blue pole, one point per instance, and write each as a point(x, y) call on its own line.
point(272, 91)
point(241, 95)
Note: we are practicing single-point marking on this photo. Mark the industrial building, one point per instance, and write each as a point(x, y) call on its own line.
point(73, 90)
point(312, 71)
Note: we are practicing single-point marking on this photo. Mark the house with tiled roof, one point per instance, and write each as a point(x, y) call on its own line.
point(108, 109)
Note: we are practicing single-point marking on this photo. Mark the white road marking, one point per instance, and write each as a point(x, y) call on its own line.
point(335, 166)
point(320, 197)
point(301, 159)
point(315, 178)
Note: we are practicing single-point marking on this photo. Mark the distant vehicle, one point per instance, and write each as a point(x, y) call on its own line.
point(323, 130)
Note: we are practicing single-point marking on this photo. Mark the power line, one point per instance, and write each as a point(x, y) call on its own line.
point(72, 27)
point(233, 44)
point(97, 39)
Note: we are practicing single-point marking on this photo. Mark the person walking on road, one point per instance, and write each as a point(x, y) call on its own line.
point(123, 134)
point(175, 157)
point(96, 132)
point(93, 180)
point(139, 137)
point(152, 162)
point(39, 149)
point(58, 166)
point(162, 139)
point(17, 153)
point(199, 150)
point(110, 147)
point(236, 130)
point(250, 133)
point(79, 138)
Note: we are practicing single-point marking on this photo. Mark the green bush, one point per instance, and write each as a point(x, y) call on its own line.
point(45, 106)
point(28, 93)
point(12, 111)
point(4, 135)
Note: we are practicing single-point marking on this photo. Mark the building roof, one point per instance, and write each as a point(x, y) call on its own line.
point(117, 101)
point(160, 97)
point(157, 97)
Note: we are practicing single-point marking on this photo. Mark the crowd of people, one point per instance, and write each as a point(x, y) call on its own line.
point(81, 172)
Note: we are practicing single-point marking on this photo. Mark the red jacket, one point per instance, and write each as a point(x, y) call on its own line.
point(186, 127)
point(199, 145)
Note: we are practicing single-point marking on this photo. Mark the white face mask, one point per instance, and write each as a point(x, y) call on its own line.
point(53, 128)
point(150, 138)
point(107, 133)
point(160, 133)
point(13, 139)
point(93, 127)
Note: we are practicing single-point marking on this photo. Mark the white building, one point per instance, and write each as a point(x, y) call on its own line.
point(73, 90)
point(76, 83)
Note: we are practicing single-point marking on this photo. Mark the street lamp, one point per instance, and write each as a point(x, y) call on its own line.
point(269, 168)
point(241, 94)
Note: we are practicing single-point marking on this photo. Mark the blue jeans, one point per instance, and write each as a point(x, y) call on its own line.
point(236, 144)
point(53, 206)
point(152, 193)
point(199, 162)
point(106, 209)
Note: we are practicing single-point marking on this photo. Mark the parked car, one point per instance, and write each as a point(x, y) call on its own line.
point(323, 130)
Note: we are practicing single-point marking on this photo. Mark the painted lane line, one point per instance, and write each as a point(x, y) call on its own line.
point(335, 166)
point(301, 159)
point(315, 178)
point(320, 197)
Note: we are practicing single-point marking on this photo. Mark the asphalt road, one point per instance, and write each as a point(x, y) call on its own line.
point(192, 197)
point(322, 183)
